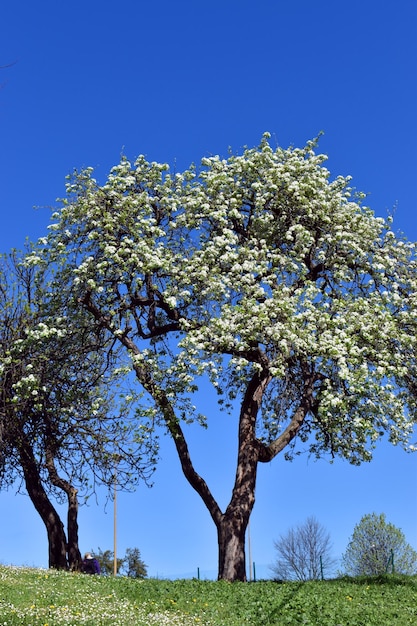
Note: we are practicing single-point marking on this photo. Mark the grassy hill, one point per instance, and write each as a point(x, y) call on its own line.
point(35, 597)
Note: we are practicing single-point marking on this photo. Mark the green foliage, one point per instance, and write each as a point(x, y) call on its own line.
point(106, 561)
point(40, 597)
point(377, 547)
point(133, 565)
point(130, 565)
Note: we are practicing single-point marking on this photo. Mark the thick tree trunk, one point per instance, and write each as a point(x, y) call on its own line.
point(74, 555)
point(231, 541)
point(231, 525)
point(57, 544)
point(231, 530)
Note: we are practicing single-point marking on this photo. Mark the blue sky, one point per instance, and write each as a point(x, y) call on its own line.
point(177, 81)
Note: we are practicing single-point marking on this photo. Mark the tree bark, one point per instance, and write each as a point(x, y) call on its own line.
point(74, 555)
point(232, 558)
point(73, 550)
point(57, 544)
point(231, 530)
point(231, 526)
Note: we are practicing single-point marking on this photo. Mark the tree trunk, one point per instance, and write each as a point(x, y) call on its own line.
point(231, 530)
point(57, 544)
point(74, 555)
point(231, 542)
point(231, 525)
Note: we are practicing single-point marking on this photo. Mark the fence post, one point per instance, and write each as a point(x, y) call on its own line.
point(390, 562)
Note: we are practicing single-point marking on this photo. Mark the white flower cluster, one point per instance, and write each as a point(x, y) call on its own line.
point(260, 261)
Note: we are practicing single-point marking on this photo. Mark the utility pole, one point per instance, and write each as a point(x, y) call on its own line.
point(250, 553)
point(115, 521)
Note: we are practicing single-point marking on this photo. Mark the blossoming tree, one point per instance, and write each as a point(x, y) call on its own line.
point(262, 274)
point(59, 413)
point(377, 547)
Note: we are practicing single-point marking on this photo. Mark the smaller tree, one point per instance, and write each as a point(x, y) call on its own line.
point(130, 565)
point(378, 547)
point(303, 553)
point(106, 561)
point(133, 565)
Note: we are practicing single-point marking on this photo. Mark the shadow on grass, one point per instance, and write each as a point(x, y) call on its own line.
point(287, 597)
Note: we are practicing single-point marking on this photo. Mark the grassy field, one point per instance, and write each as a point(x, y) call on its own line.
point(34, 597)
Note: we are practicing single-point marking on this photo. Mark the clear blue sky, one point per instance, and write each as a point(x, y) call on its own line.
point(176, 81)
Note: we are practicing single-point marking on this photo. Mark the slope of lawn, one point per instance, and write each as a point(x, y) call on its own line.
point(35, 597)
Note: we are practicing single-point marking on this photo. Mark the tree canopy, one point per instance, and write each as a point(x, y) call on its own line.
point(60, 414)
point(262, 274)
point(378, 547)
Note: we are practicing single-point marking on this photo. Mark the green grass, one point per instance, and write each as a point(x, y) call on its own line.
point(35, 597)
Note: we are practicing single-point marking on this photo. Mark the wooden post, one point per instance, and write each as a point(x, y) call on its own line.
point(115, 521)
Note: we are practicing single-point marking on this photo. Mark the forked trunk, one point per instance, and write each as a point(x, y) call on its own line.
point(74, 555)
point(231, 525)
point(57, 543)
